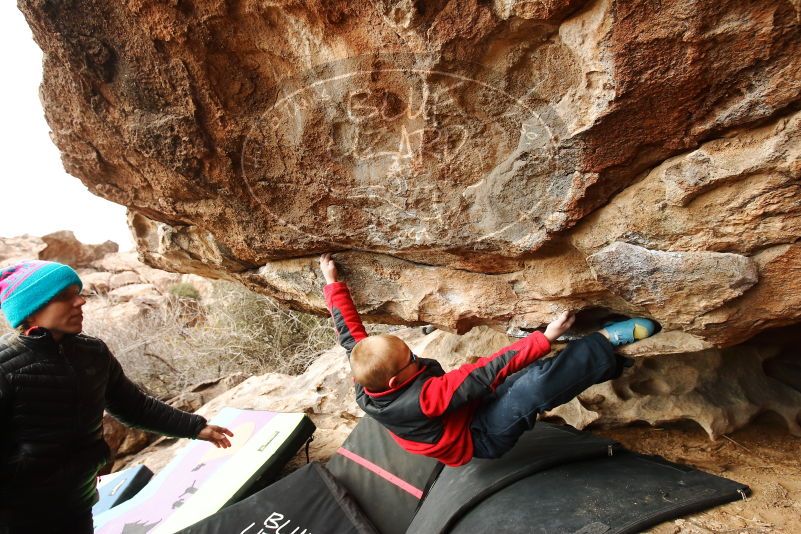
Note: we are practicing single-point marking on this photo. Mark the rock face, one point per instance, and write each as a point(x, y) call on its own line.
point(19, 248)
point(65, 248)
point(496, 162)
point(646, 279)
point(721, 390)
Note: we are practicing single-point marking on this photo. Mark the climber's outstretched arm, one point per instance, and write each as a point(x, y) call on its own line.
point(347, 322)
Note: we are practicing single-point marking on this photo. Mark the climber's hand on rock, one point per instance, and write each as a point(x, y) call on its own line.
point(329, 268)
point(217, 435)
point(559, 326)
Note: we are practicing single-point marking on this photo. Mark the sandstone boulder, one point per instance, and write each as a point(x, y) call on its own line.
point(647, 279)
point(720, 389)
point(123, 278)
point(500, 162)
point(124, 440)
point(138, 292)
point(19, 248)
point(97, 282)
point(63, 247)
point(117, 263)
point(200, 394)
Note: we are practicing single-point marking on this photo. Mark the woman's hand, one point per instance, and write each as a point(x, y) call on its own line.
point(216, 434)
point(559, 326)
point(329, 268)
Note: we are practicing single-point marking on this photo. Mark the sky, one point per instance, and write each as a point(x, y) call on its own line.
point(38, 196)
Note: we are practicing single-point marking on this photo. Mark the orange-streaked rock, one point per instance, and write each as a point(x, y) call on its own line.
point(473, 171)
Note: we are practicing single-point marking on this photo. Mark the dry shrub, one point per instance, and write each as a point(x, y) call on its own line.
point(234, 329)
point(184, 289)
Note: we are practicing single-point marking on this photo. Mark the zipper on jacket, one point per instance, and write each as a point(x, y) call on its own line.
point(77, 416)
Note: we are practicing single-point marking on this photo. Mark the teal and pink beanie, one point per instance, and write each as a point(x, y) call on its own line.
point(29, 285)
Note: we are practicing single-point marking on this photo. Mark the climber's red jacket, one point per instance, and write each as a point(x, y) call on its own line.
point(430, 413)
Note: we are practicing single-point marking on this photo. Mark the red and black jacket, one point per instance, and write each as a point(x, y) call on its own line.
point(430, 413)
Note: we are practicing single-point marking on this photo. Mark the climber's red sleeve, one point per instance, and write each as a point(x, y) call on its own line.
point(347, 322)
point(476, 380)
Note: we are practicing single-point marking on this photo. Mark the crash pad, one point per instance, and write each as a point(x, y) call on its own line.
point(385, 480)
point(116, 488)
point(308, 501)
point(558, 479)
point(202, 478)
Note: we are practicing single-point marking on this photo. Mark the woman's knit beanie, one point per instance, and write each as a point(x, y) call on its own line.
point(28, 286)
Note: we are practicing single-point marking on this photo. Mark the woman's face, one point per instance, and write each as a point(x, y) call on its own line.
point(63, 312)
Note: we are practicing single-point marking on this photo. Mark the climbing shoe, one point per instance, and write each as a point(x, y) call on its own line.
point(629, 331)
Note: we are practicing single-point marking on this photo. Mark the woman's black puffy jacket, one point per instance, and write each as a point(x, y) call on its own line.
point(52, 398)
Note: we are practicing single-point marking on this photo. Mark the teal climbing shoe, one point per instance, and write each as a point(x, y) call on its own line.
point(629, 331)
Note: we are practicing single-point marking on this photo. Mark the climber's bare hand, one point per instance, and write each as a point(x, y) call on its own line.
point(559, 326)
point(329, 268)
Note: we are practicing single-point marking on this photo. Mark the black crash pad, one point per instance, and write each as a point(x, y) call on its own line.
point(624, 494)
point(459, 489)
point(557, 480)
point(385, 480)
point(308, 501)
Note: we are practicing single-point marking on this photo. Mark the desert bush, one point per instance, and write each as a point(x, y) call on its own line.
point(184, 290)
point(240, 331)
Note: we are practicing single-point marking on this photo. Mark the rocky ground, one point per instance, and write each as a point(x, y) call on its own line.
point(761, 455)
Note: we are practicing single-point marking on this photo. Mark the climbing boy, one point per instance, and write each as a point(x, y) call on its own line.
point(480, 409)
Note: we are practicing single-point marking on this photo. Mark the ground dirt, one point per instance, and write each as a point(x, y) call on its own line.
point(763, 455)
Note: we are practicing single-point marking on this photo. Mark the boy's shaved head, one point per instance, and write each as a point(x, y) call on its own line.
point(375, 359)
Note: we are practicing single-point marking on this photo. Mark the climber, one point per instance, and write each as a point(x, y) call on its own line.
point(478, 410)
point(55, 383)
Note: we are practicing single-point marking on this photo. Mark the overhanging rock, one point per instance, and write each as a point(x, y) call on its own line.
point(475, 171)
